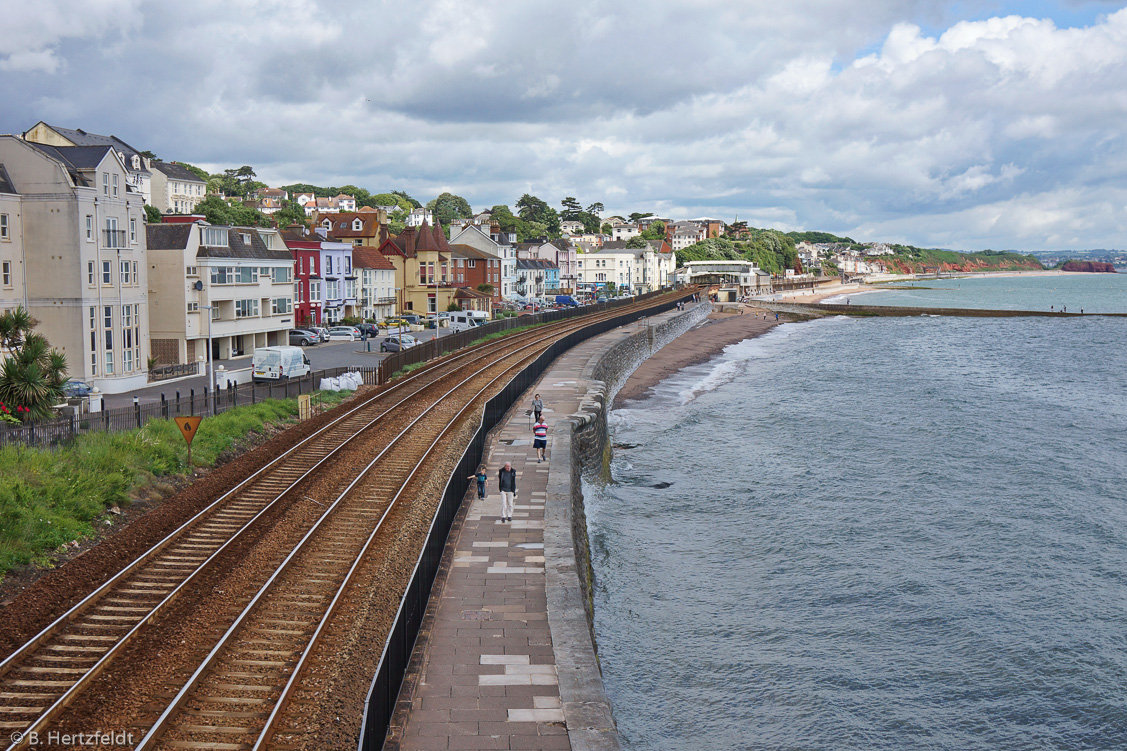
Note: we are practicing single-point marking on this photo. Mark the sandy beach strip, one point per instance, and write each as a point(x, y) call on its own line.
point(696, 345)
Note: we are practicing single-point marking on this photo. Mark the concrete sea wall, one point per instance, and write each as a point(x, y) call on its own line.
point(579, 448)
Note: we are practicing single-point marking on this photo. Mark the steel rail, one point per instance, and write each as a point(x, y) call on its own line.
point(159, 727)
point(70, 616)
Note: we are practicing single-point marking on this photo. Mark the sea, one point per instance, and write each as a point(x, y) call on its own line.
point(876, 533)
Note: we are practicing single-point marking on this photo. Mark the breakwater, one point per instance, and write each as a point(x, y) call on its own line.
point(831, 309)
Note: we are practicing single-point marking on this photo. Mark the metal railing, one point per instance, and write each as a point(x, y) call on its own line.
point(384, 691)
point(113, 238)
point(50, 433)
point(164, 372)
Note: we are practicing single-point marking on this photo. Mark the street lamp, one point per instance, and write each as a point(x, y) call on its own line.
point(210, 362)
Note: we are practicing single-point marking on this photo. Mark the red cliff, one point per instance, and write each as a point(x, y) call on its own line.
point(1093, 267)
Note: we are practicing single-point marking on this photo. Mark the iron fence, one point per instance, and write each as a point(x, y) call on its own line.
point(62, 429)
point(384, 691)
point(164, 372)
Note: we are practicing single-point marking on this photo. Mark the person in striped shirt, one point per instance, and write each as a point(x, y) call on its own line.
point(540, 439)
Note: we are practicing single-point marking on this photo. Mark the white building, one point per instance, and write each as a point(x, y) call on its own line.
point(176, 189)
point(376, 297)
point(418, 216)
point(244, 274)
point(624, 232)
point(75, 256)
point(137, 169)
point(629, 270)
point(741, 278)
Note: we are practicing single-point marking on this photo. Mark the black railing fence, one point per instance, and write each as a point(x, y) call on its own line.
point(61, 429)
point(384, 691)
point(164, 372)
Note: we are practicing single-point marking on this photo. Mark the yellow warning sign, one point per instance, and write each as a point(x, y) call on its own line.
point(188, 426)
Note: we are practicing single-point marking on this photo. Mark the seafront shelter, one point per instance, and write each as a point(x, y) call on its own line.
point(745, 278)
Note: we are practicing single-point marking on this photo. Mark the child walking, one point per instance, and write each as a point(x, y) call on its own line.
point(481, 477)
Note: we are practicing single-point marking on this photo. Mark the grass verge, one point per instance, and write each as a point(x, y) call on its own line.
point(52, 497)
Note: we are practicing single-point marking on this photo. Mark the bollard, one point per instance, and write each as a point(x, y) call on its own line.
point(137, 410)
point(177, 401)
point(163, 406)
point(192, 402)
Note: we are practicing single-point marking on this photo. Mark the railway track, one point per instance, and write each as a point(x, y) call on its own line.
point(39, 680)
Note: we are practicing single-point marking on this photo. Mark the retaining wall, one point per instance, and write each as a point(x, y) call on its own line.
point(579, 447)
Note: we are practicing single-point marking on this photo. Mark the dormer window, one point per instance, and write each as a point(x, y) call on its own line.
point(357, 225)
point(136, 162)
point(327, 224)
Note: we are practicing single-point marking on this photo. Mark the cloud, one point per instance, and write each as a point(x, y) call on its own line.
point(902, 119)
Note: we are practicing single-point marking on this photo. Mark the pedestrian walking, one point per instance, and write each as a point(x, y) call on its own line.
point(537, 407)
point(507, 482)
point(540, 439)
point(481, 477)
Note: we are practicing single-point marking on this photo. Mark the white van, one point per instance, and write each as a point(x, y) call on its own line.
point(463, 320)
point(279, 364)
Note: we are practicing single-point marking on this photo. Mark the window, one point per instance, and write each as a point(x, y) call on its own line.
point(7, 273)
point(89, 228)
point(223, 275)
point(90, 273)
point(314, 291)
point(282, 275)
point(114, 238)
point(357, 225)
point(126, 337)
point(350, 289)
point(215, 313)
point(192, 271)
point(115, 194)
point(126, 277)
point(132, 230)
point(193, 307)
point(214, 237)
point(348, 266)
point(246, 238)
point(280, 306)
point(107, 279)
point(4, 233)
point(264, 271)
point(105, 183)
point(247, 275)
point(107, 326)
point(297, 292)
point(471, 263)
point(332, 289)
point(136, 279)
point(93, 340)
point(246, 308)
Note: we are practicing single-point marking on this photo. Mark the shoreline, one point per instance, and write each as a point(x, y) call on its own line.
point(699, 344)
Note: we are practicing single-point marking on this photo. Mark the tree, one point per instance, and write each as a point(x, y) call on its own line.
point(218, 211)
point(606, 229)
point(448, 207)
point(595, 208)
point(150, 156)
point(32, 378)
point(414, 204)
point(637, 241)
point(639, 215)
point(291, 212)
point(453, 306)
point(152, 214)
point(201, 174)
point(392, 199)
point(532, 209)
point(571, 209)
point(485, 289)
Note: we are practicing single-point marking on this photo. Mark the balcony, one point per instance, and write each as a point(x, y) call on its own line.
point(113, 238)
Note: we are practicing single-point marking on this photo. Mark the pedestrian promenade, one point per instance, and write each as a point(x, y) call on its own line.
point(484, 672)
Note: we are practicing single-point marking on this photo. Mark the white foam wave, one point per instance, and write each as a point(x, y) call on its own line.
point(732, 363)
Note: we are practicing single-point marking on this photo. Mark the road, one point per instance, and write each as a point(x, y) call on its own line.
point(321, 356)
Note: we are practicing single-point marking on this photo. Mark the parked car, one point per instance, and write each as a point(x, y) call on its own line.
point(76, 388)
point(344, 333)
point(601, 299)
point(398, 342)
point(368, 329)
point(412, 318)
point(304, 337)
point(321, 331)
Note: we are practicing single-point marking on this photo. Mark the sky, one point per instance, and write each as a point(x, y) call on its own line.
point(969, 125)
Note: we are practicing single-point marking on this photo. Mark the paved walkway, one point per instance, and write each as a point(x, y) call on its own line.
point(484, 672)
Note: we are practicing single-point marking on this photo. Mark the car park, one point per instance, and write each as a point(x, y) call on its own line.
point(304, 337)
point(76, 388)
point(344, 333)
point(398, 342)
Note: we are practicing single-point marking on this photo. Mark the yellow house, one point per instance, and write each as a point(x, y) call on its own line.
point(423, 270)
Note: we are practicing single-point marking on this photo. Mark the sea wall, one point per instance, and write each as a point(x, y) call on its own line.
point(580, 447)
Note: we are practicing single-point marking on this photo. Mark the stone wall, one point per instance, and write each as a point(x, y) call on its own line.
point(580, 447)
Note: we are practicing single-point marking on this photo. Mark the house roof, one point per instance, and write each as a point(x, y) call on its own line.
point(168, 236)
point(177, 172)
point(535, 264)
point(6, 185)
point(465, 293)
point(236, 248)
point(80, 137)
point(469, 251)
point(367, 257)
point(74, 157)
point(342, 224)
point(426, 240)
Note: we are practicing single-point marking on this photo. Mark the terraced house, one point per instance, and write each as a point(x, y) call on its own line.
point(377, 283)
point(234, 283)
point(75, 254)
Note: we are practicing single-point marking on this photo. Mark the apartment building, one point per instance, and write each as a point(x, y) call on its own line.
point(137, 167)
point(232, 284)
point(176, 189)
point(13, 292)
point(377, 283)
point(77, 224)
point(628, 270)
point(496, 243)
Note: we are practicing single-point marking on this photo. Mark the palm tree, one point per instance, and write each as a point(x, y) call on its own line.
point(32, 375)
